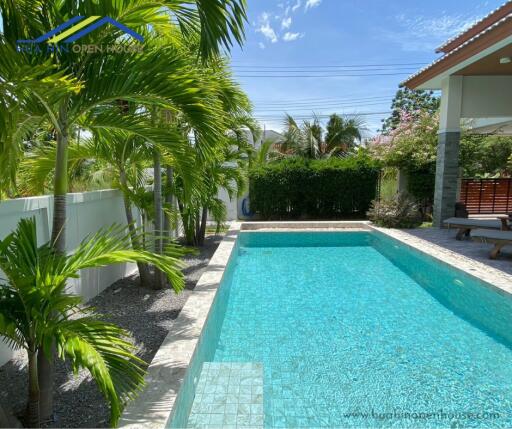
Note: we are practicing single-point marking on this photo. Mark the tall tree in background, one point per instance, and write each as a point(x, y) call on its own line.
point(411, 102)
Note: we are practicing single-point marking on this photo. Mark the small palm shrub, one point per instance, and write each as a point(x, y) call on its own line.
point(398, 212)
point(38, 314)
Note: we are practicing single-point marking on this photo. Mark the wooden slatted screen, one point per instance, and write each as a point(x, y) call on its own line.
point(487, 196)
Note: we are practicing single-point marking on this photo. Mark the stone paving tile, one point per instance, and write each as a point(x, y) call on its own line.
point(228, 395)
point(474, 250)
point(466, 255)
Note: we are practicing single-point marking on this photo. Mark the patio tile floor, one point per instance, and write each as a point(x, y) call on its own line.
point(478, 251)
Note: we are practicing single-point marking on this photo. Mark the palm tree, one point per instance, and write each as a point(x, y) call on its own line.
point(342, 133)
point(307, 140)
point(161, 76)
point(36, 311)
point(84, 109)
point(129, 77)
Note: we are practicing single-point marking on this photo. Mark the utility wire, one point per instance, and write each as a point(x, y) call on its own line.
point(321, 76)
point(408, 69)
point(326, 116)
point(233, 65)
point(350, 97)
point(299, 109)
point(322, 102)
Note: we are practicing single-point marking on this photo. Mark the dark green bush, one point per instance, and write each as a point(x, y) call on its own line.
point(422, 182)
point(316, 189)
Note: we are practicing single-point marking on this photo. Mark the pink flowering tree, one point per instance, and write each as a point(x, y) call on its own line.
point(411, 145)
point(412, 148)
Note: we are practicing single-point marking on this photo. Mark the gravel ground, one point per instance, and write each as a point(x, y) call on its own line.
point(148, 314)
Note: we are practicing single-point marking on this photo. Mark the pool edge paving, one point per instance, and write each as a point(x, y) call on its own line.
point(167, 372)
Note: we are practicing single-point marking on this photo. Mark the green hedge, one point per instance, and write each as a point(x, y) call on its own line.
point(318, 189)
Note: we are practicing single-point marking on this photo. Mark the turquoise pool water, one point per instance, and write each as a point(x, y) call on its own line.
point(349, 329)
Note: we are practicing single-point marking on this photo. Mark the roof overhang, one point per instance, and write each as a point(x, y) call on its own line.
point(496, 126)
point(496, 37)
point(475, 29)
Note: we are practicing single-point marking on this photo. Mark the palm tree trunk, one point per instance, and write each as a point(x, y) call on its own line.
point(46, 369)
point(197, 227)
point(169, 201)
point(202, 229)
point(144, 273)
point(158, 282)
point(33, 406)
point(189, 226)
point(60, 187)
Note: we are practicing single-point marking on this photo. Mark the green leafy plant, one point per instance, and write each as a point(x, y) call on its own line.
point(319, 189)
point(37, 312)
point(398, 212)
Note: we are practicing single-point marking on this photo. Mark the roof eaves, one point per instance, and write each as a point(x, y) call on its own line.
point(458, 48)
point(476, 23)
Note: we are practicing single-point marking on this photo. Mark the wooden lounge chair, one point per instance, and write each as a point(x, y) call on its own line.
point(465, 225)
point(500, 239)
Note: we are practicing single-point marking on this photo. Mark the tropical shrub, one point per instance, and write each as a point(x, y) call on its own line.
point(320, 189)
point(38, 314)
point(398, 212)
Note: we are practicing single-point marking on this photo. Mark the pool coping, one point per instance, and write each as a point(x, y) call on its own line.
point(166, 373)
point(493, 277)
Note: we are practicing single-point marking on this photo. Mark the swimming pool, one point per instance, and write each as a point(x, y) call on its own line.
point(348, 329)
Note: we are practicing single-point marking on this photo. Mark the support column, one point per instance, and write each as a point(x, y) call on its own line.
point(447, 167)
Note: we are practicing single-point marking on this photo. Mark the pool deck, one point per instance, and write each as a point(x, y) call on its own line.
point(445, 238)
point(167, 372)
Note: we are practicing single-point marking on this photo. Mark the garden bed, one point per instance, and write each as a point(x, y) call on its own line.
point(148, 314)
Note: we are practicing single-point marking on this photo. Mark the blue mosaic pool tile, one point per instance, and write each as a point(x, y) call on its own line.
point(356, 327)
point(228, 394)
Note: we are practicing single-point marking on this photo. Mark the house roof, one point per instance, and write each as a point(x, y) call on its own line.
point(479, 26)
point(488, 32)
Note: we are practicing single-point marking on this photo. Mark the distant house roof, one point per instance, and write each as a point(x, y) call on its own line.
point(490, 33)
point(265, 135)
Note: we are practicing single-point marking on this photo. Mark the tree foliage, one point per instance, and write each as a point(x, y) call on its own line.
point(410, 102)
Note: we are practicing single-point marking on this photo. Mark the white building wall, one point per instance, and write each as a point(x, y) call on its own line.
point(87, 213)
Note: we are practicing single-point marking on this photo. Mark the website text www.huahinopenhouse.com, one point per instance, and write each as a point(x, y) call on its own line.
point(423, 415)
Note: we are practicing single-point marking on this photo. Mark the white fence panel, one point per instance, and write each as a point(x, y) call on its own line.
point(87, 213)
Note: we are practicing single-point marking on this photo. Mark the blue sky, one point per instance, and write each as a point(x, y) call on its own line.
point(312, 34)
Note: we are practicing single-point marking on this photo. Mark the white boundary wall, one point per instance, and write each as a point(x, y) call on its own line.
point(86, 213)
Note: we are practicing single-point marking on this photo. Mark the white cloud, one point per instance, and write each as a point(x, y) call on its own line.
point(266, 29)
point(290, 37)
point(286, 22)
point(261, 45)
point(310, 4)
point(296, 5)
point(420, 33)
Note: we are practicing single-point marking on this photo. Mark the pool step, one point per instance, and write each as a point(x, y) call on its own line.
point(228, 395)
